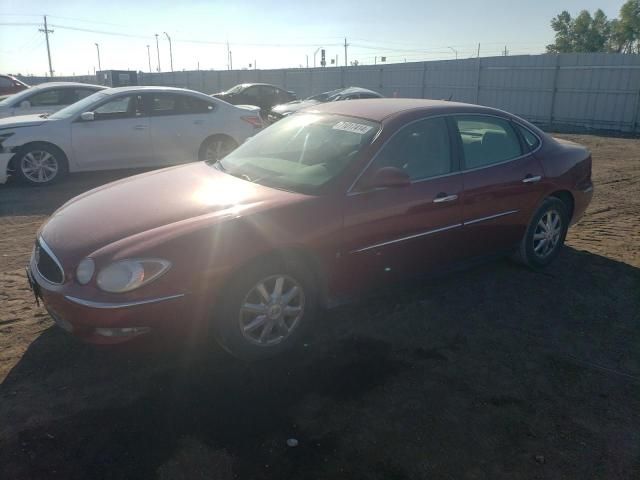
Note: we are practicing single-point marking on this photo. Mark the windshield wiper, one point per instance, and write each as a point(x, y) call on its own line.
point(44, 115)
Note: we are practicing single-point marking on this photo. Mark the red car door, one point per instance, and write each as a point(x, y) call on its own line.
point(390, 233)
point(501, 183)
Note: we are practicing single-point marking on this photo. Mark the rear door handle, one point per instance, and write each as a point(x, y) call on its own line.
point(139, 127)
point(531, 179)
point(443, 197)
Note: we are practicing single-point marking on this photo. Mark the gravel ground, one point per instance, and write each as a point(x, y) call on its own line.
point(497, 372)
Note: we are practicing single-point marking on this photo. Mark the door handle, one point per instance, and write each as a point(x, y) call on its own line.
point(139, 127)
point(443, 197)
point(531, 179)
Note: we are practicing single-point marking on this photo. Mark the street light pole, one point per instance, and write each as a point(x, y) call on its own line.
point(170, 50)
point(454, 51)
point(158, 50)
point(149, 57)
point(314, 56)
point(99, 65)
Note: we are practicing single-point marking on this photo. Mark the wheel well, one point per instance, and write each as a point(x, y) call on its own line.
point(567, 198)
point(298, 256)
point(12, 165)
point(211, 137)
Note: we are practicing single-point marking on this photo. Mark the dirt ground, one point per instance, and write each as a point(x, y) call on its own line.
point(493, 373)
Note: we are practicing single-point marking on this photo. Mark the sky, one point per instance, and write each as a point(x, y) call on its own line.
point(279, 34)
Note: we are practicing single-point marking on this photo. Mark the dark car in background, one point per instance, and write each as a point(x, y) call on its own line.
point(10, 85)
point(349, 93)
point(262, 95)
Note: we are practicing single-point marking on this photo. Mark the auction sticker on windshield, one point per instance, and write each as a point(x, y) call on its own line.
point(352, 127)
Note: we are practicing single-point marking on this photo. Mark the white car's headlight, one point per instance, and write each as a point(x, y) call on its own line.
point(85, 271)
point(127, 275)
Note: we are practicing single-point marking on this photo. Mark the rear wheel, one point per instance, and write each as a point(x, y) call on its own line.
point(545, 234)
point(216, 148)
point(265, 310)
point(40, 164)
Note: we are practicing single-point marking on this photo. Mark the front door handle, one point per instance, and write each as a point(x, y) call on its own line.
point(443, 197)
point(531, 179)
point(139, 127)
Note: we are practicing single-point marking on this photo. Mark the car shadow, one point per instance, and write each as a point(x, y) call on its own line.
point(490, 365)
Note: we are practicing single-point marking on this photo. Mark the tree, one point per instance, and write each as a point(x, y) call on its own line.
point(596, 33)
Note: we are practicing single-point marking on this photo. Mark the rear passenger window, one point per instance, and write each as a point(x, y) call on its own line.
point(164, 104)
point(421, 149)
point(530, 140)
point(194, 105)
point(487, 140)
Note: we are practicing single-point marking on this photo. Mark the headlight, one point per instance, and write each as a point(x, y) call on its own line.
point(85, 271)
point(127, 275)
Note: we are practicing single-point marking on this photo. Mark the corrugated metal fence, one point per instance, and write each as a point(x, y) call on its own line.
point(593, 91)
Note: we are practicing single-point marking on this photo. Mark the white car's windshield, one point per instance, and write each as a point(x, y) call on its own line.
point(301, 153)
point(79, 107)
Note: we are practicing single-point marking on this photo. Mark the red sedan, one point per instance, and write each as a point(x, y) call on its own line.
point(318, 207)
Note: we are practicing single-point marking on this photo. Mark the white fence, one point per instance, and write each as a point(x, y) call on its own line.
point(592, 91)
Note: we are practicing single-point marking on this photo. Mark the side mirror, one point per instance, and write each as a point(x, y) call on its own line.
point(25, 104)
point(388, 177)
point(88, 116)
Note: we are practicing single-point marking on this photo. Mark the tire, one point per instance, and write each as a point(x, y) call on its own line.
point(40, 164)
point(237, 326)
point(539, 247)
point(216, 147)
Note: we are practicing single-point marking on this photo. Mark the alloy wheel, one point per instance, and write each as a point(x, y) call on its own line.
point(271, 310)
point(39, 166)
point(217, 150)
point(547, 234)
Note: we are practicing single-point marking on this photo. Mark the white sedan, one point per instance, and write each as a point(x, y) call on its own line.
point(127, 127)
point(45, 98)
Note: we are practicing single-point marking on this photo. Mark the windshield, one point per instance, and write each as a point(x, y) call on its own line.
point(79, 107)
point(17, 97)
point(324, 96)
point(301, 153)
point(235, 89)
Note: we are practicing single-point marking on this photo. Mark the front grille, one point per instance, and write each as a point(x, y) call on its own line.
point(47, 264)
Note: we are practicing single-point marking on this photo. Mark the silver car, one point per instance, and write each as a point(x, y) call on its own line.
point(126, 127)
point(46, 98)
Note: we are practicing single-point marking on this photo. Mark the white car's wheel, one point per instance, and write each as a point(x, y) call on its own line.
point(40, 164)
point(216, 147)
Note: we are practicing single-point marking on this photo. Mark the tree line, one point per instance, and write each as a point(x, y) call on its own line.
point(596, 33)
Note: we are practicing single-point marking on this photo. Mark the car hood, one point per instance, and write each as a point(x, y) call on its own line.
point(161, 203)
point(22, 121)
point(294, 106)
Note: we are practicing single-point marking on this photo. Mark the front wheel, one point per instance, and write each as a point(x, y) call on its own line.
point(545, 234)
point(265, 310)
point(40, 164)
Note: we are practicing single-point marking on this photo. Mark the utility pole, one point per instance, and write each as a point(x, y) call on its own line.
point(46, 32)
point(158, 50)
point(345, 51)
point(170, 50)
point(478, 50)
point(228, 56)
point(230, 60)
point(336, 59)
point(506, 52)
point(149, 57)
point(99, 65)
point(307, 60)
point(255, 64)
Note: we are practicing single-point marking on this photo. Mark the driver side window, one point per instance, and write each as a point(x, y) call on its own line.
point(421, 149)
point(127, 106)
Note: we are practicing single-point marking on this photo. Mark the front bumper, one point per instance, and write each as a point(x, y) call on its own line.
point(110, 322)
point(5, 157)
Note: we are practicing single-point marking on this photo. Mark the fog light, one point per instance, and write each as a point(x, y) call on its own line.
point(122, 332)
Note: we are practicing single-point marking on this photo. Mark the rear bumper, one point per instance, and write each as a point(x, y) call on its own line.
point(582, 199)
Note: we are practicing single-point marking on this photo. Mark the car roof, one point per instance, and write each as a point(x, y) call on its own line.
point(379, 109)
point(137, 88)
point(65, 84)
point(348, 90)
